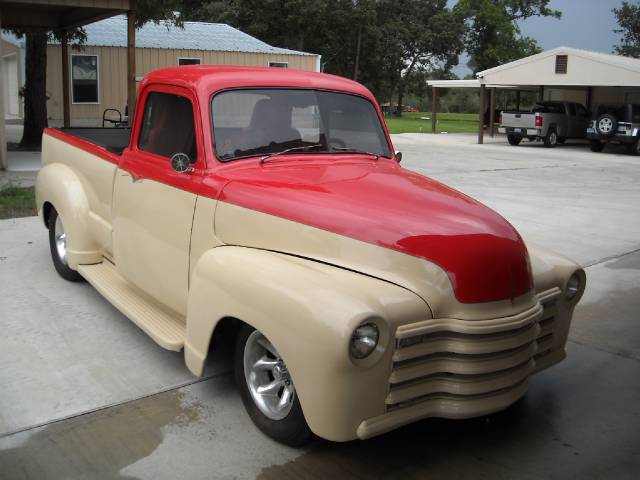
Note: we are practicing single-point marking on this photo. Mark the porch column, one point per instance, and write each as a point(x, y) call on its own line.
point(481, 114)
point(492, 114)
point(434, 110)
point(131, 63)
point(3, 139)
point(65, 81)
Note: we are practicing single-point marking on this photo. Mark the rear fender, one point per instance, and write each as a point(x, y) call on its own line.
point(59, 186)
point(308, 311)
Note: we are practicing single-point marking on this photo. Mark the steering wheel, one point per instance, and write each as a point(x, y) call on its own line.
point(336, 143)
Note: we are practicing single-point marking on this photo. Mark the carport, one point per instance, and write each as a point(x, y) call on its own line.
point(563, 73)
point(65, 15)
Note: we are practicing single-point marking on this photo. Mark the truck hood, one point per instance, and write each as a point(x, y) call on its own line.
point(381, 203)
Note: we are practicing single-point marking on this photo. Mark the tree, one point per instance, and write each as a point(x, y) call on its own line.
point(628, 18)
point(493, 35)
point(417, 35)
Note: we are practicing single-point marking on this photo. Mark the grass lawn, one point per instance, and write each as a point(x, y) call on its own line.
point(447, 122)
point(17, 202)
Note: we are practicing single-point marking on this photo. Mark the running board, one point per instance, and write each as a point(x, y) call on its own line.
point(165, 329)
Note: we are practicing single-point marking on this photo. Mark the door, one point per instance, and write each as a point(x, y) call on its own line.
point(153, 204)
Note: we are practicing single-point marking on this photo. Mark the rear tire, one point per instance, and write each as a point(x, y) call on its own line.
point(596, 145)
point(286, 425)
point(514, 140)
point(58, 247)
point(551, 140)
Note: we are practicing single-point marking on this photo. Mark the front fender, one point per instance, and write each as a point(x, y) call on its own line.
point(59, 185)
point(308, 310)
point(550, 269)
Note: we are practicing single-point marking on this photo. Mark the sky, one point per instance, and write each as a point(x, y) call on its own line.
point(586, 24)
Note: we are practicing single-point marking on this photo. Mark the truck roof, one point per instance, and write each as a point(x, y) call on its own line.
point(208, 79)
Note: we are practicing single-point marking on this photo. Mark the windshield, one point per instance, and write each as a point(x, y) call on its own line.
point(254, 122)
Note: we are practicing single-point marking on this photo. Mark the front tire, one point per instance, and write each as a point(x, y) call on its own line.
point(551, 140)
point(634, 148)
point(514, 140)
point(596, 145)
point(58, 247)
point(267, 390)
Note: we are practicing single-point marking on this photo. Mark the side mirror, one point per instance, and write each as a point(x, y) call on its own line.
point(398, 157)
point(181, 163)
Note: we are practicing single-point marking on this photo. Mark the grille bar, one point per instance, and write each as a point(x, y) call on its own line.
point(461, 384)
point(469, 344)
point(464, 364)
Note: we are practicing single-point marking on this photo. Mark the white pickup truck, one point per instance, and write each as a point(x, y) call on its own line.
point(552, 122)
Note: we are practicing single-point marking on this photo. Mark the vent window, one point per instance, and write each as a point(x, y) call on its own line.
point(561, 63)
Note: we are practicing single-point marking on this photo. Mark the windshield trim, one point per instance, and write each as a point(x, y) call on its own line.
point(245, 157)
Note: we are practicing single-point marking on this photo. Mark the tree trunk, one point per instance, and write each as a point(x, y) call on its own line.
point(357, 65)
point(35, 90)
point(400, 96)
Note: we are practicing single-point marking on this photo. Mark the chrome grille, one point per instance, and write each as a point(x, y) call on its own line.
point(469, 359)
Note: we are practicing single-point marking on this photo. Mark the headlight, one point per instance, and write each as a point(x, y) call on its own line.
point(573, 287)
point(364, 340)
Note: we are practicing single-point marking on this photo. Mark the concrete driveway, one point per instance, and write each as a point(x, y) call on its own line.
point(85, 394)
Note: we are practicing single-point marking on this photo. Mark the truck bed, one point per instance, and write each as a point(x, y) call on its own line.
point(113, 139)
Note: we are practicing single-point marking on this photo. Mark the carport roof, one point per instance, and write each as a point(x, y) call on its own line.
point(583, 68)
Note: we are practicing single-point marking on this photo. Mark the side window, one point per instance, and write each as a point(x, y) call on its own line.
point(167, 126)
point(572, 109)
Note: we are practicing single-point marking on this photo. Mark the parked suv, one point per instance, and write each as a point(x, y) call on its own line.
point(615, 124)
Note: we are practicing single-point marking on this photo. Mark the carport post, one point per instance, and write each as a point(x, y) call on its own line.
point(65, 81)
point(434, 109)
point(481, 115)
point(131, 62)
point(492, 106)
point(3, 140)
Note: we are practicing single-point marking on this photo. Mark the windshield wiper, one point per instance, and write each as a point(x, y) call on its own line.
point(355, 150)
point(293, 149)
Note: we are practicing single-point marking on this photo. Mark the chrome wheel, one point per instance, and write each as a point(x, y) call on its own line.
point(553, 138)
point(61, 241)
point(267, 377)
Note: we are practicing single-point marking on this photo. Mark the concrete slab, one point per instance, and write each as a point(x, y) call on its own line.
point(64, 349)
point(108, 403)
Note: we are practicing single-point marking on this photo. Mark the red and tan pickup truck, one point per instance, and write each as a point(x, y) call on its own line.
point(271, 203)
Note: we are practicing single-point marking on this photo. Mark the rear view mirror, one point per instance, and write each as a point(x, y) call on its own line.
point(398, 157)
point(181, 163)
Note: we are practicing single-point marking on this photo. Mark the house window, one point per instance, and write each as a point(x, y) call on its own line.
point(84, 78)
point(188, 61)
point(561, 63)
point(279, 64)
